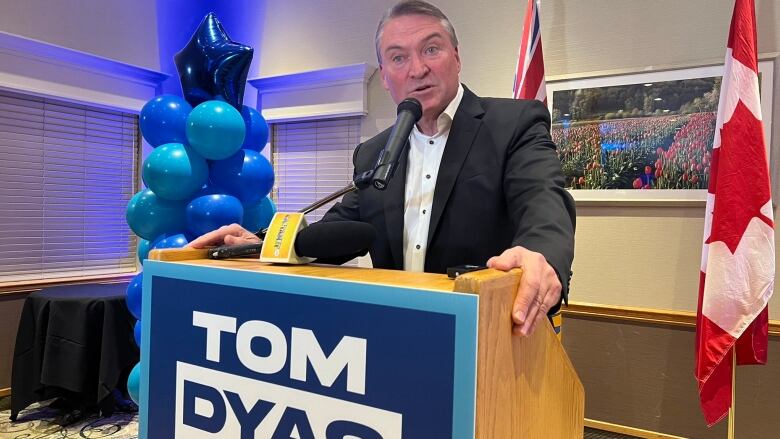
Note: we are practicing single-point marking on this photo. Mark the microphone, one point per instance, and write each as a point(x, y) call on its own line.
point(409, 112)
point(328, 240)
point(335, 239)
point(290, 242)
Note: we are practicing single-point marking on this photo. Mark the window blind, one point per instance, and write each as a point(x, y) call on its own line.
point(67, 172)
point(312, 160)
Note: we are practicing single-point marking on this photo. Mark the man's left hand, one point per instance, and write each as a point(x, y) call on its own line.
point(539, 288)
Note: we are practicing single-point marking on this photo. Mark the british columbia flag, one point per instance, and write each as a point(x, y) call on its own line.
point(529, 73)
point(738, 255)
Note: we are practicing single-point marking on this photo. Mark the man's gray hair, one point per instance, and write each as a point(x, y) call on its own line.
point(413, 7)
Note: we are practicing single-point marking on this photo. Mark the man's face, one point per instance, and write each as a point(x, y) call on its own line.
point(419, 61)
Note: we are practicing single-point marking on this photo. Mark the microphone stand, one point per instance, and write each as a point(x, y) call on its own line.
point(362, 181)
point(235, 251)
point(409, 112)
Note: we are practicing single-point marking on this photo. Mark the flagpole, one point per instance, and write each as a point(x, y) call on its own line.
point(733, 390)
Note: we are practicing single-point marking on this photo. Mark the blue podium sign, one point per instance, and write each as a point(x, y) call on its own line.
point(240, 354)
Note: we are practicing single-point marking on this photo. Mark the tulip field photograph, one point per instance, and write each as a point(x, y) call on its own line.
point(639, 136)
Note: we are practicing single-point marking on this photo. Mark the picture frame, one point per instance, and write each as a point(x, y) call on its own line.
point(619, 143)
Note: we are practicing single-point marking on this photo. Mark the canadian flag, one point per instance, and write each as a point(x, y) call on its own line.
point(738, 255)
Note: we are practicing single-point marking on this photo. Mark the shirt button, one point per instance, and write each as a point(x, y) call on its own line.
point(428, 176)
point(417, 246)
point(424, 211)
point(430, 142)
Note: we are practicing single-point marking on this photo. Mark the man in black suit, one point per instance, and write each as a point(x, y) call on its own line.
point(479, 182)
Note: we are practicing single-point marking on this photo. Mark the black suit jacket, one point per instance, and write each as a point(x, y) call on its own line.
point(499, 185)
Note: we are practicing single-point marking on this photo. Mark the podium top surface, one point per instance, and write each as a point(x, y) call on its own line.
point(426, 281)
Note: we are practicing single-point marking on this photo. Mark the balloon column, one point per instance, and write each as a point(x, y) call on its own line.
point(206, 169)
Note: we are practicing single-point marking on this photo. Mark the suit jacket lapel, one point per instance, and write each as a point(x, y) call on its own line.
point(464, 128)
point(394, 196)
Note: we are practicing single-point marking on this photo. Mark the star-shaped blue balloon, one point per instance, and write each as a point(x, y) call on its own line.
point(212, 66)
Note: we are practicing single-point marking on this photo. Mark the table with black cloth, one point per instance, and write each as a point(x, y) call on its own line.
point(74, 342)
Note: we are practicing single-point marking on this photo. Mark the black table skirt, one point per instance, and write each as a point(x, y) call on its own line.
point(73, 341)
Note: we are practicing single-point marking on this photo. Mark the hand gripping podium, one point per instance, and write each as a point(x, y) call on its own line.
point(240, 349)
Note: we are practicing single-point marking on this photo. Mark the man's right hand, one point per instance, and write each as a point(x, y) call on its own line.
point(233, 234)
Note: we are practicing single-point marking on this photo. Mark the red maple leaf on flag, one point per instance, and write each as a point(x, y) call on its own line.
point(741, 180)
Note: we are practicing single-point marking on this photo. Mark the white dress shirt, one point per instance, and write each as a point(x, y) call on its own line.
point(422, 169)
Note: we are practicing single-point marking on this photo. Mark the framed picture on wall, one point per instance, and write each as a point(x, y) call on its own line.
point(642, 137)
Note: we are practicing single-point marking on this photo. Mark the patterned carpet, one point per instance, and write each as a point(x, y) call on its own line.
point(40, 421)
point(592, 433)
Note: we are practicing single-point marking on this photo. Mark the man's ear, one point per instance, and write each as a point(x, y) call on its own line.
point(457, 57)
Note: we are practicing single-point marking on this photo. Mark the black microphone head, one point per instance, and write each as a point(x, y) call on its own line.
point(334, 239)
point(412, 105)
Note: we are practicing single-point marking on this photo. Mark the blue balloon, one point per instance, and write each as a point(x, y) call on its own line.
point(150, 216)
point(175, 171)
point(212, 66)
point(215, 130)
point(258, 216)
point(134, 383)
point(256, 129)
point(145, 246)
point(133, 298)
point(247, 175)
point(206, 190)
point(174, 241)
point(211, 212)
point(163, 120)
point(137, 333)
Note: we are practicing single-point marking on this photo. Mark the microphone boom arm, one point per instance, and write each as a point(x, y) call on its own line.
point(409, 112)
point(319, 203)
point(361, 181)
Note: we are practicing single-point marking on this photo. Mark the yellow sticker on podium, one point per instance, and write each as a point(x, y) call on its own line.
point(279, 243)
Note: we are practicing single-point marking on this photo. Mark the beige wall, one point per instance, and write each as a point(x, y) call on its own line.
point(643, 256)
point(125, 31)
point(641, 375)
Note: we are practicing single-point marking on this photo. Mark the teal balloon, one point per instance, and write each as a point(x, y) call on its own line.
point(215, 130)
point(164, 119)
point(137, 333)
point(258, 216)
point(247, 175)
point(175, 171)
point(150, 216)
point(133, 297)
point(210, 212)
point(144, 245)
point(256, 129)
point(134, 383)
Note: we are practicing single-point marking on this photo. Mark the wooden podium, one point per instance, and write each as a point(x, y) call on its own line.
point(485, 383)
